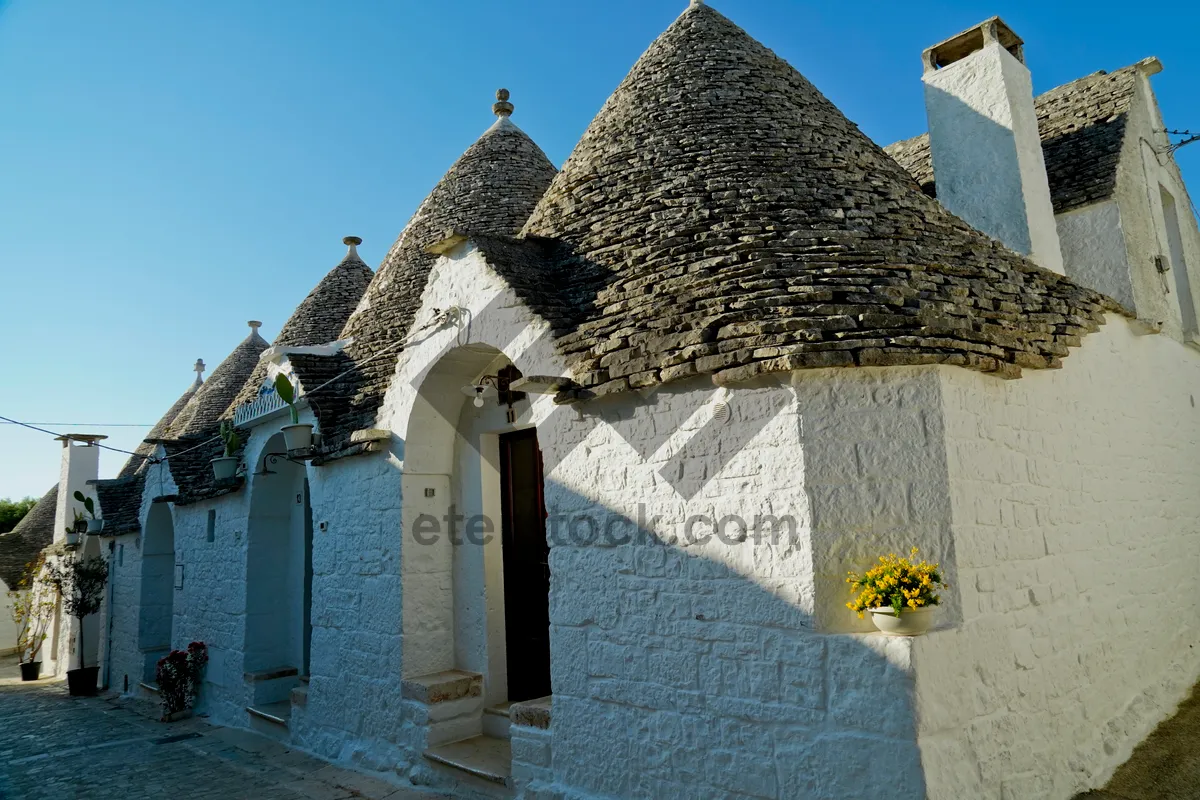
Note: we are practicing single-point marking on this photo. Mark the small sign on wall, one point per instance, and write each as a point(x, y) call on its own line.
point(179, 576)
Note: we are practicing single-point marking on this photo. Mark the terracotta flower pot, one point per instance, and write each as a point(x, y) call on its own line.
point(912, 622)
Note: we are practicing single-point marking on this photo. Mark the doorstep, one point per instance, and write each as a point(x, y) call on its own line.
point(442, 687)
point(532, 713)
point(484, 757)
point(278, 713)
point(270, 674)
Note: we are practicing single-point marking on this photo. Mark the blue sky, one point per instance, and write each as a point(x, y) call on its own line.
point(170, 169)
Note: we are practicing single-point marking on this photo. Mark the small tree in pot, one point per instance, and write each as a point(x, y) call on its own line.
point(31, 613)
point(80, 583)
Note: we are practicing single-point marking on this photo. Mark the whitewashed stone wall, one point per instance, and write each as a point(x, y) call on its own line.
point(211, 607)
point(1062, 506)
point(1141, 172)
point(1093, 247)
point(354, 709)
point(8, 629)
point(120, 652)
point(121, 657)
point(698, 665)
point(1076, 507)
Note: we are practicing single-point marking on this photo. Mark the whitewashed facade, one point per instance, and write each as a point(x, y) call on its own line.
point(700, 529)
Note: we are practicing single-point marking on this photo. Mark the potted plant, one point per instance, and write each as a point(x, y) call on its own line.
point(296, 436)
point(899, 594)
point(78, 525)
point(80, 584)
point(93, 525)
point(225, 467)
point(31, 613)
point(178, 676)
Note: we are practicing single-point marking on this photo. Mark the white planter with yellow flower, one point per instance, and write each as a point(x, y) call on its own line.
point(899, 594)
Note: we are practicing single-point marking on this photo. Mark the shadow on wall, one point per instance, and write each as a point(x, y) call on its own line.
point(975, 169)
point(689, 674)
point(683, 663)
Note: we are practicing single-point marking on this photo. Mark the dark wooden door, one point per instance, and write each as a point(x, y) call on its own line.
point(526, 566)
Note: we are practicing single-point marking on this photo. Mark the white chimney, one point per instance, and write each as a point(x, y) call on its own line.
point(80, 464)
point(983, 134)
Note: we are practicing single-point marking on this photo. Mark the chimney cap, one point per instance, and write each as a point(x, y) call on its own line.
point(88, 439)
point(973, 39)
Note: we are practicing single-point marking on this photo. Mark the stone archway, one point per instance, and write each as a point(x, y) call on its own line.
point(459, 465)
point(279, 565)
point(157, 596)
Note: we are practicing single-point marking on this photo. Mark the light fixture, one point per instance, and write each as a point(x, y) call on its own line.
point(484, 390)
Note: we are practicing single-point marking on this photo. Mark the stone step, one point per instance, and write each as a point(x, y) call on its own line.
point(497, 722)
point(272, 685)
point(271, 719)
point(485, 757)
point(300, 695)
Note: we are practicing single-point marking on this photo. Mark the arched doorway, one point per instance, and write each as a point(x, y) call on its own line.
point(475, 572)
point(279, 565)
point(157, 615)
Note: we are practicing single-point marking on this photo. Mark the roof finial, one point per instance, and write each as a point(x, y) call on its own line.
point(352, 242)
point(696, 3)
point(199, 369)
point(502, 107)
point(254, 326)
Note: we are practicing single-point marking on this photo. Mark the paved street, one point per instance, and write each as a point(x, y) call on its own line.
point(56, 746)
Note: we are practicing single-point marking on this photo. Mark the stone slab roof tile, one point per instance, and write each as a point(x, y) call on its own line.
point(189, 460)
point(211, 400)
point(491, 189)
point(138, 463)
point(318, 319)
point(723, 217)
point(121, 502)
point(1082, 125)
point(21, 545)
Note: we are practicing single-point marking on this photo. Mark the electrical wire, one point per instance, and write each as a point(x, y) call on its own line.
point(86, 424)
point(34, 427)
point(440, 318)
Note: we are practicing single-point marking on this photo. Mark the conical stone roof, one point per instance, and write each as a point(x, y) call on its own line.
point(121, 497)
point(491, 189)
point(137, 464)
point(319, 318)
point(725, 217)
point(203, 411)
point(21, 545)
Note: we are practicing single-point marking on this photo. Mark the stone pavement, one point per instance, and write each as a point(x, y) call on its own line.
point(56, 746)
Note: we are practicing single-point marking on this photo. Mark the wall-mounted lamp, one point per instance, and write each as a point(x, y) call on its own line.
point(484, 390)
